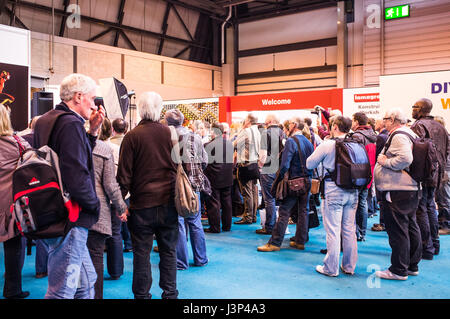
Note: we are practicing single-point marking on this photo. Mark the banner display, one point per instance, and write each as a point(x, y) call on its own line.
point(366, 100)
point(276, 102)
point(403, 90)
point(14, 90)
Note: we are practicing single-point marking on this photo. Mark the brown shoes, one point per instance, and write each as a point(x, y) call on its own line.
point(293, 244)
point(268, 247)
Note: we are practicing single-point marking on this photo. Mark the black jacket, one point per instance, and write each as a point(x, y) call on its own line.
point(365, 134)
point(426, 126)
point(381, 141)
point(219, 170)
point(74, 148)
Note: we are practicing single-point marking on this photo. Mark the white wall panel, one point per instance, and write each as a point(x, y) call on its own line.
point(419, 43)
point(300, 27)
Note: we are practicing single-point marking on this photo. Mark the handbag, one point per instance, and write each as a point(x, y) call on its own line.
point(186, 199)
point(315, 185)
point(313, 219)
point(299, 185)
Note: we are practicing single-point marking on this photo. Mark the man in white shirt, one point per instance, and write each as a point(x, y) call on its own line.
point(247, 145)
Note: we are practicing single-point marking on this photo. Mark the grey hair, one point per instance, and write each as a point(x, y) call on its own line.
point(272, 118)
point(76, 83)
point(396, 114)
point(150, 106)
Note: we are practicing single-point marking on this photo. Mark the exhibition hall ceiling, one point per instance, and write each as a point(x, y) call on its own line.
point(186, 29)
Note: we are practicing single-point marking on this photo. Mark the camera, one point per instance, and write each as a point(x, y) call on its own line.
point(98, 101)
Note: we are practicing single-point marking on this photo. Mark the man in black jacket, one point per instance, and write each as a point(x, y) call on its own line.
point(426, 126)
point(269, 162)
point(71, 273)
point(220, 174)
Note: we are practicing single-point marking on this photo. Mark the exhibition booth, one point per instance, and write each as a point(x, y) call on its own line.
point(286, 105)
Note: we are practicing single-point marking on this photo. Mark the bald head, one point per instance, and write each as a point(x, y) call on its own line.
point(421, 108)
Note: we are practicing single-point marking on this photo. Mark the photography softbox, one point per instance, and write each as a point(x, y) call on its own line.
point(115, 98)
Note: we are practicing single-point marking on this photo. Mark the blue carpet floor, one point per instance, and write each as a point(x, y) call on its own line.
point(237, 271)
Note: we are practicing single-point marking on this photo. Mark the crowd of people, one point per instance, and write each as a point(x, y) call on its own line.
point(124, 183)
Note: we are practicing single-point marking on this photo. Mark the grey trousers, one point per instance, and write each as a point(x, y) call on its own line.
point(249, 192)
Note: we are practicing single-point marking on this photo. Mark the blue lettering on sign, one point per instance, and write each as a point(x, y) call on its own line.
point(439, 87)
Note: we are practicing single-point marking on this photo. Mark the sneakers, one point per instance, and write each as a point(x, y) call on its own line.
point(347, 272)
point(413, 273)
point(319, 269)
point(387, 274)
point(268, 247)
point(293, 244)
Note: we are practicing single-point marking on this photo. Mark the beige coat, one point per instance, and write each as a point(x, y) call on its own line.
point(9, 155)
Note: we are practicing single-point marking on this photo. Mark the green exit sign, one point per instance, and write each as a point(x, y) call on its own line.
point(396, 12)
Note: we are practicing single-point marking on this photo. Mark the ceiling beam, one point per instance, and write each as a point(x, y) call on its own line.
point(62, 28)
point(16, 19)
point(182, 23)
point(209, 13)
point(164, 27)
point(113, 25)
point(278, 11)
point(119, 21)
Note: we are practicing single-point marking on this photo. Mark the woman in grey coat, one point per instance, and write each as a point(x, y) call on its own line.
point(13, 243)
point(108, 192)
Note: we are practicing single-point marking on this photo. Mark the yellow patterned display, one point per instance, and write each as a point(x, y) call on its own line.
point(206, 111)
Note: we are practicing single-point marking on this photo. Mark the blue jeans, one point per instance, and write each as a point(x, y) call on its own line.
point(338, 217)
point(71, 274)
point(114, 251)
point(269, 202)
point(198, 241)
point(361, 213)
point(41, 256)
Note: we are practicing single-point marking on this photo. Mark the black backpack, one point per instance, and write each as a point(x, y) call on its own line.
point(40, 207)
point(424, 166)
point(352, 166)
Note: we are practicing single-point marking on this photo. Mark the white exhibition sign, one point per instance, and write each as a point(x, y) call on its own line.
point(403, 90)
point(366, 100)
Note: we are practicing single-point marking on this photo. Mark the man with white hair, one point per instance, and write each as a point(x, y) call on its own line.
point(146, 170)
point(399, 198)
point(71, 273)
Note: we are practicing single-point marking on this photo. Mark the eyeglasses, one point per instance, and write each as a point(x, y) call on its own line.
point(415, 106)
point(386, 118)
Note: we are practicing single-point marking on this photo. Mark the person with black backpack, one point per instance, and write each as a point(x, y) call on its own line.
point(71, 273)
point(340, 201)
point(399, 198)
point(426, 127)
point(364, 133)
